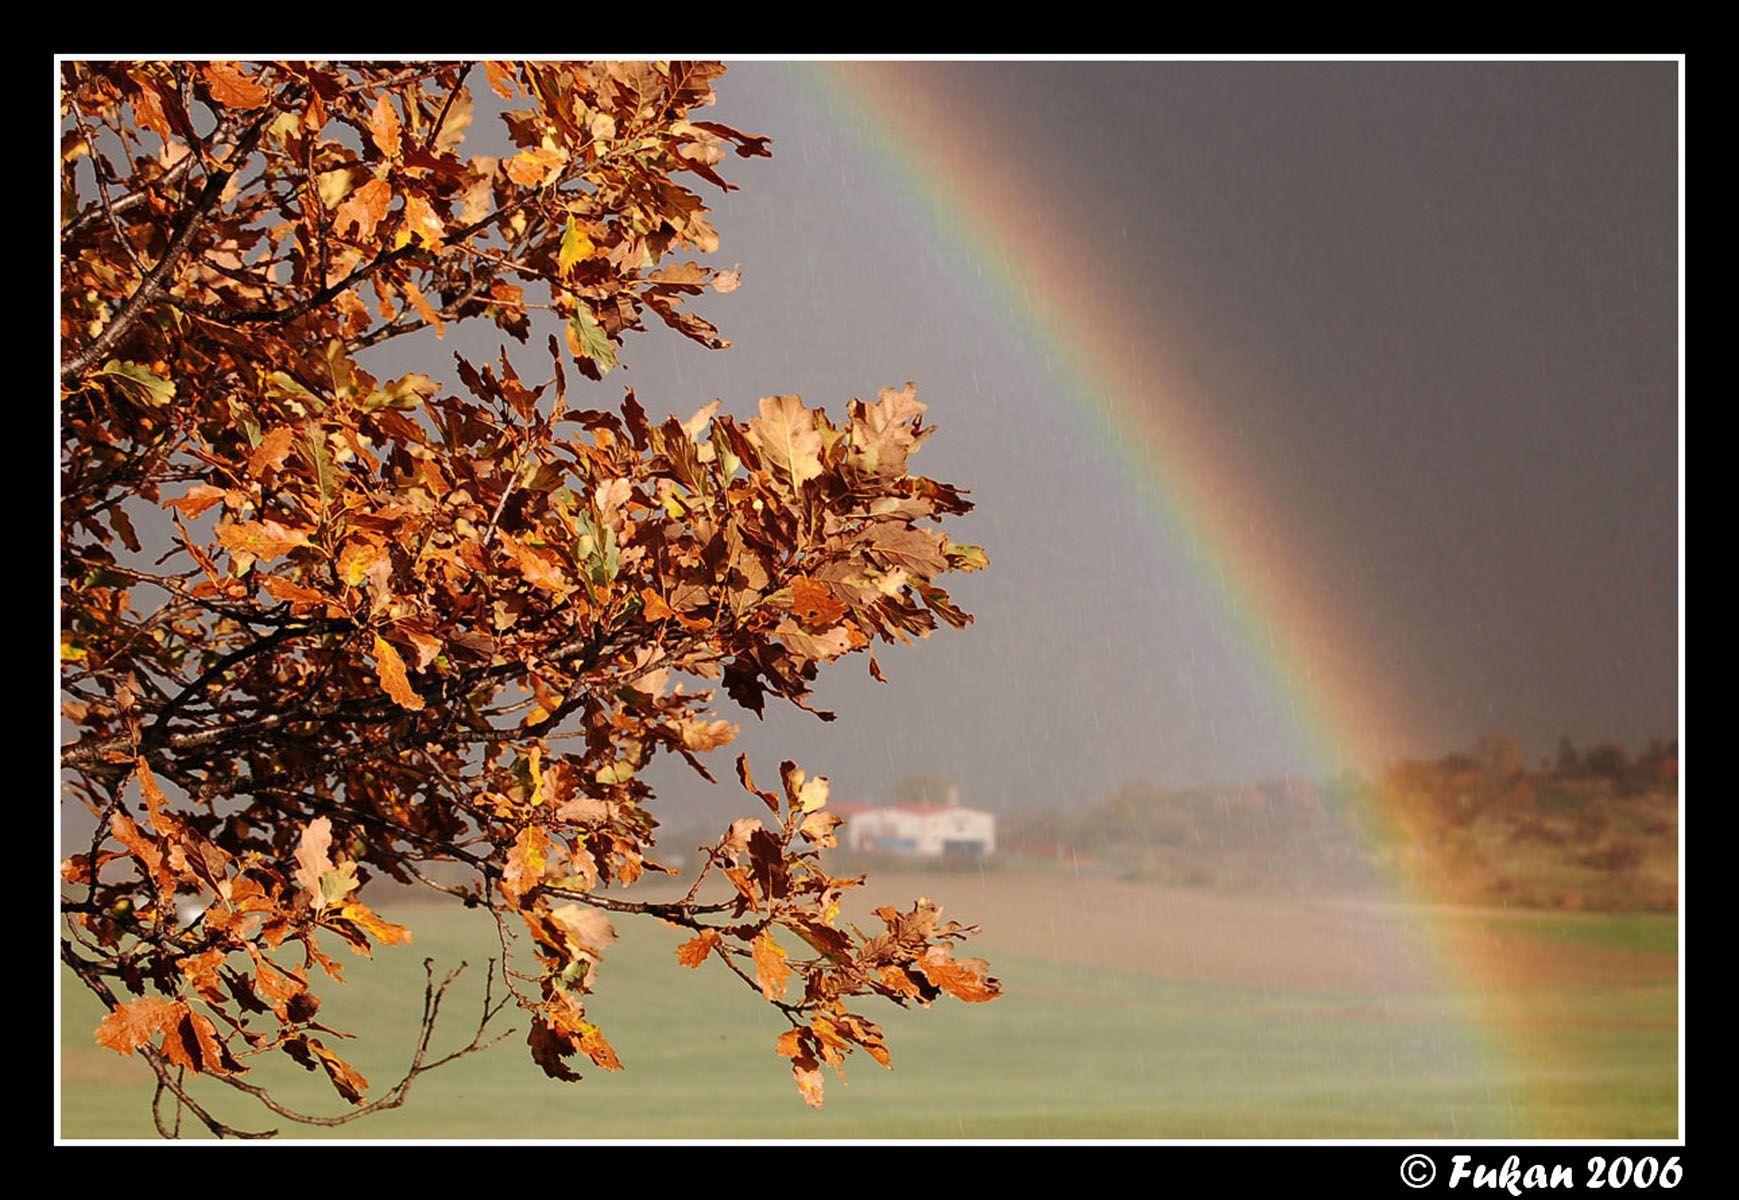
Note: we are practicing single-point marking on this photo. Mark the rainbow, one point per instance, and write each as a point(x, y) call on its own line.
point(1296, 638)
point(1291, 631)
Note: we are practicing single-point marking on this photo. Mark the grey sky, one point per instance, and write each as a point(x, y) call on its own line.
point(1436, 302)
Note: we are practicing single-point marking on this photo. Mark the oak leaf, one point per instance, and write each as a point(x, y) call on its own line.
point(232, 88)
point(422, 223)
point(260, 539)
point(967, 979)
point(384, 126)
point(345, 1078)
point(130, 1026)
point(312, 859)
point(273, 449)
point(364, 209)
point(813, 603)
point(390, 669)
point(785, 435)
point(197, 499)
point(383, 931)
point(526, 861)
point(771, 973)
point(693, 952)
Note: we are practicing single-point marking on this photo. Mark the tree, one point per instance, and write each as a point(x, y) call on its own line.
point(923, 789)
point(1500, 755)
point(436, 633)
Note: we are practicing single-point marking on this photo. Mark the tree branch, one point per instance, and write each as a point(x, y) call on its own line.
point(78, 363)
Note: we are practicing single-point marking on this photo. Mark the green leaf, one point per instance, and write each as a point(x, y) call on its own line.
point(605, 558)
point(616, 772)
point(156, 390)
point(283, 384)
point(337, 883)
point(593, 342)
point(727, 459)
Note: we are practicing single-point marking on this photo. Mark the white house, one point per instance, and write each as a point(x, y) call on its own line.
point(920, 830)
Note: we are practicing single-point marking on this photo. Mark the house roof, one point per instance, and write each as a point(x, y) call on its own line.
point(846, 808)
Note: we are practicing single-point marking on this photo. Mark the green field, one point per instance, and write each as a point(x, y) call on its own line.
point(1071, 1051)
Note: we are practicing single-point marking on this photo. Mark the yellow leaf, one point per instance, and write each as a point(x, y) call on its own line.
point(575, 246)
point(384, 932)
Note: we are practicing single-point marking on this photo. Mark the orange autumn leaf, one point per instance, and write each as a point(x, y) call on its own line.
point(771, 973)
point(201, 971)
point(390, 669)
point(348, 1081)
point(598, 1050)
point(500, 76)
point(807, 1073)
point(424, 311)
point(968, 979)
point(694, 951)
point(130, 1026)
point(787, 439)
point(280, 588)
point(194, 1043)
point(383, 931)
point(814, 604)
point(534, 166)
point(422, 223)
point(197, 499)
point(383, 127)
point(232, 88)
point(358, 560)
point(364, 209)
point(273, 449)
point(526, 861)
point(261, 539)
point(312, 859)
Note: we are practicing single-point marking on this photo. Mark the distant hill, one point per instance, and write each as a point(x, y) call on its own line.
point(1596, 830)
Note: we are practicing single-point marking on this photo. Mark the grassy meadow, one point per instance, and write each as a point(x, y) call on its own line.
point(1130, 1012)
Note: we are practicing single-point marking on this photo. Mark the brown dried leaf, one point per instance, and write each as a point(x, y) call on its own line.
point(786, 436)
